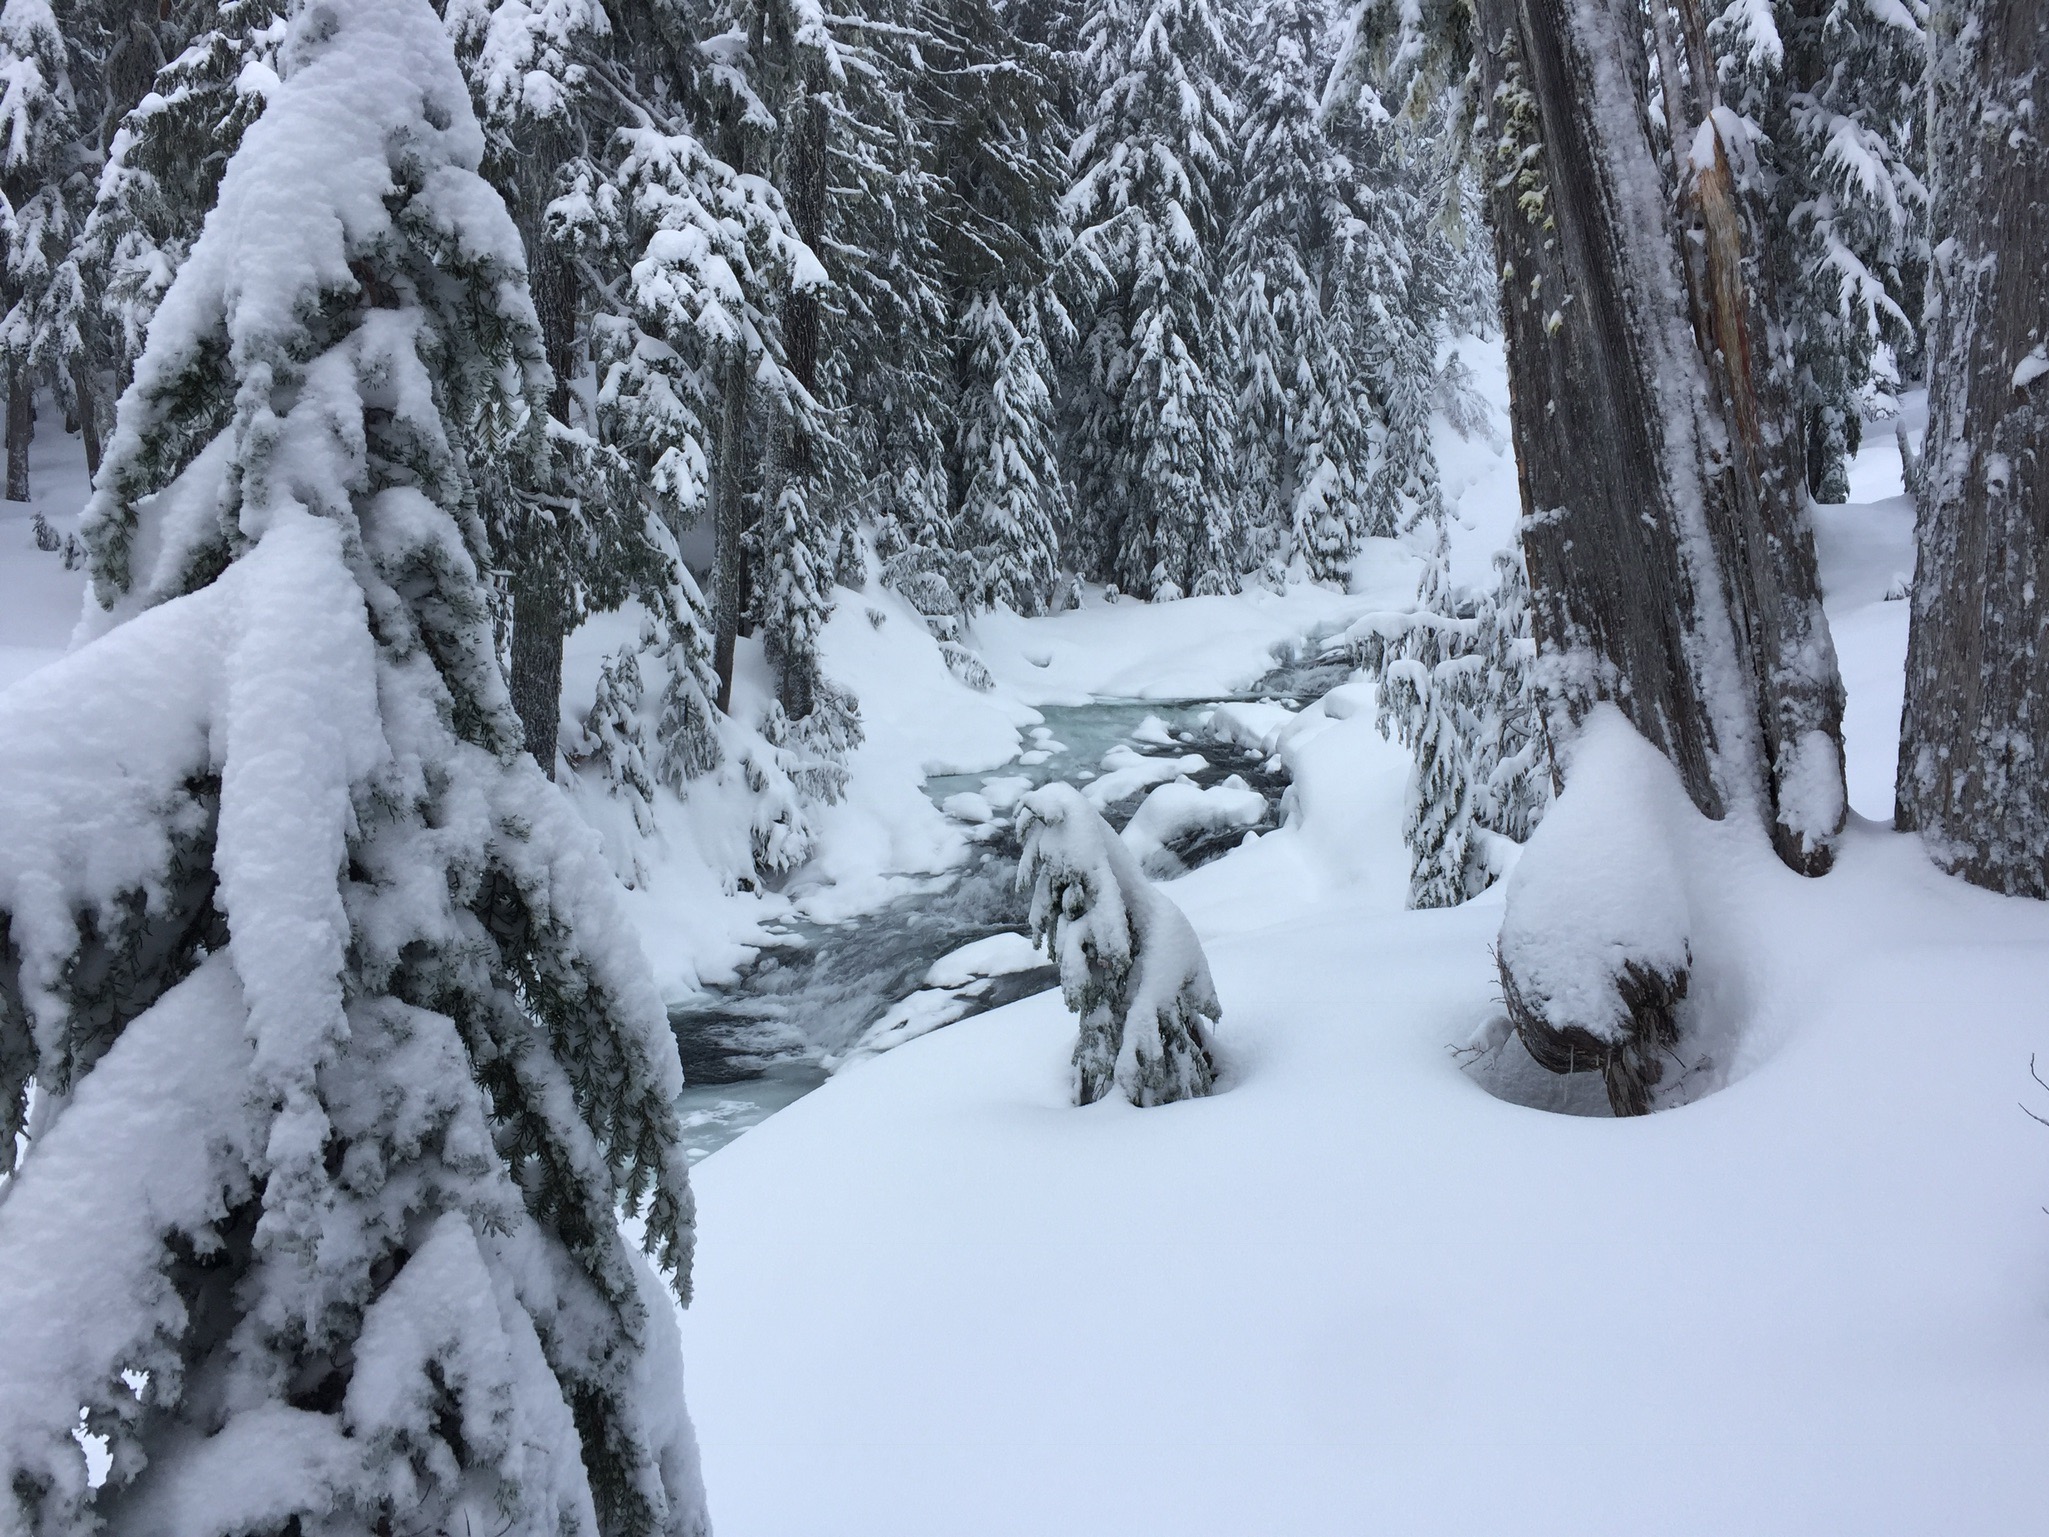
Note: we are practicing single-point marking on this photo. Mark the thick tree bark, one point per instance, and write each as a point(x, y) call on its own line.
point(1670, 559)
point(797, 668)
point(21, 430)
point(541, 593)
point(1671, 566)
point(1974, 741)
point(538, 626)
point(88, 416)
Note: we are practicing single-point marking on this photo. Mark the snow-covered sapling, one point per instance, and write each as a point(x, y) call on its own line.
point(1130, 965)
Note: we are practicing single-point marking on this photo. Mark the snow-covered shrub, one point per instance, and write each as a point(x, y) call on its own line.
point(1130, 965)
point(344, 1064)
point(1456, 689)
point(1596, 948)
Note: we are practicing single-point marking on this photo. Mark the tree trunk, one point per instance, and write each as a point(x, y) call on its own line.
point(21, 430)
point(1670, 560)
point(1974, 741)
point(88, 416)
point(1671, 566)
point(537, 632)
point(729, 527)
point(728, 506)
point(540, 573)
point(797, 666)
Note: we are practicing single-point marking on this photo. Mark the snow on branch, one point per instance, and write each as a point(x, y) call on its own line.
point(1130, 964)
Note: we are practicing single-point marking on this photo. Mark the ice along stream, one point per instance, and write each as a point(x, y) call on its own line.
point(826, 994)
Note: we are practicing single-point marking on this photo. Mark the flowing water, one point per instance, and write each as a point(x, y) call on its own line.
point(814, 997)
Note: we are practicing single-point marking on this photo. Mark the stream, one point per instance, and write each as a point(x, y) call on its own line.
point(821, 995)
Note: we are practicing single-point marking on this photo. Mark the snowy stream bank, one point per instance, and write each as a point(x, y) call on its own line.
point(1167, 773)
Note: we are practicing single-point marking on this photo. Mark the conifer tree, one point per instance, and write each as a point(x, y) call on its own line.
point(1672, 570)
point(1456, 689)
point(1291, 271)
point(1131, 967)
point(163, 170)
point(1973, 739)
point(1014, 501)
point(1000, 146)
point(44, 184)
point(1152, 428)
point(322, 988)
point(1829, 93)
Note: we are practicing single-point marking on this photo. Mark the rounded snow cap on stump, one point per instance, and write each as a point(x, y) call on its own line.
point(1595, 949)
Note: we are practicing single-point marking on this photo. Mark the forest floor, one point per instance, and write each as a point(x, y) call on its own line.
point(1353, 1291)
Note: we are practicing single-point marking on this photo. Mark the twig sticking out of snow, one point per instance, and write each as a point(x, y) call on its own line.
point(1130, 965)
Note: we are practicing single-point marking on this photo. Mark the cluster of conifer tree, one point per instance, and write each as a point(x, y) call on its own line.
point(979, 297)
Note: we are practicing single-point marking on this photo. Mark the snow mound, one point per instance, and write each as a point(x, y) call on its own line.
point(1126, 772)
point(1176, 812)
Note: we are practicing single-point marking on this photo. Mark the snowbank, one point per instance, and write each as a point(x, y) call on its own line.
point(1357, 1293)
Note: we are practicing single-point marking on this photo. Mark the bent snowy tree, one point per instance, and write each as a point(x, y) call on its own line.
point(335, 1063)
point(1974, 743)
point(1130, 965)
point(1670, 557)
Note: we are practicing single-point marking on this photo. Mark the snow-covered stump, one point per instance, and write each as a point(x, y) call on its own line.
point(1596, 952)
point(1130, 964)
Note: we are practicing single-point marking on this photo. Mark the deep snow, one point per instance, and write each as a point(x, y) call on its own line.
point(1353, 1291)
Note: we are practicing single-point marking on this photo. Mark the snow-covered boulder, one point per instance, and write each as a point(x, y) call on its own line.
point(1596, 947)
point(1130, 965)
point(1183, 810)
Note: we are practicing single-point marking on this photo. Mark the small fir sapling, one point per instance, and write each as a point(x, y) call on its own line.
point(1130, 964)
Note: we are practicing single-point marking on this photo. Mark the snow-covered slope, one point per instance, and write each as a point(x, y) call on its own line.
point(1353, 1292)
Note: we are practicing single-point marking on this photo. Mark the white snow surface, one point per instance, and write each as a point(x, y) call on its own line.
point(1354, 1292)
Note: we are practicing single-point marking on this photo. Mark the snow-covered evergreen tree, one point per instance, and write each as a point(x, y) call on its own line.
point(1456, 689)
point(1130, 964)
point(1831, 95)
point(322, 988)
point(44, 188)
point(1152, 426)
point(163, 171)
point(1001, 146)
point(1014, 500)
point(1306, 412)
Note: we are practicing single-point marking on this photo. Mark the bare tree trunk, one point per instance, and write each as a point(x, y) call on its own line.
point(1671, 567)
point(728, 507)
point(797, 667)
point(21, 430)
point(1974, 742)
point(729, 527)
point(1669, 555)
point(88, 416)
point(540, 579)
